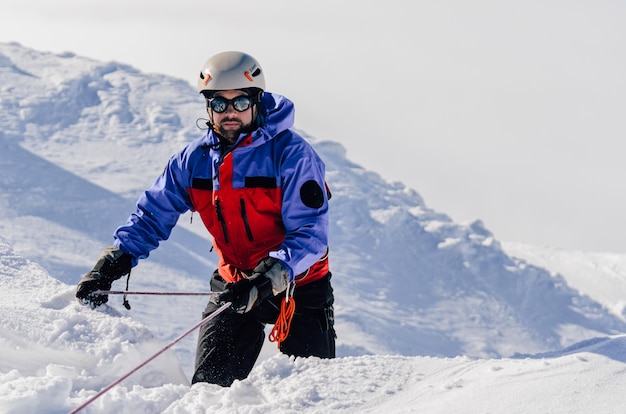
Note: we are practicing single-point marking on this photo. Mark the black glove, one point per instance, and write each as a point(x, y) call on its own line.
point(270, 277)
point(112, 264)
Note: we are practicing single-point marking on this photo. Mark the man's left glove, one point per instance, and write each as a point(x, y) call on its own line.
point(112, 264)
point(269, 277)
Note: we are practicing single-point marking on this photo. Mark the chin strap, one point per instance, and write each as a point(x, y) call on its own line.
point(280, 331)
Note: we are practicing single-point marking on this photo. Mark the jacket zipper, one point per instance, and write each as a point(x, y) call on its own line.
point(245, 219)
point(220, 218)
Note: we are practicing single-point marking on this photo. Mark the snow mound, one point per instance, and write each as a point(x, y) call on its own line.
point(53, 347)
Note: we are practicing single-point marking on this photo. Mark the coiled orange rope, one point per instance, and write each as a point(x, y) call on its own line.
point(280, 331)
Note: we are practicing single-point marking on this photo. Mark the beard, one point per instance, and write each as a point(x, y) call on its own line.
point(231, 134)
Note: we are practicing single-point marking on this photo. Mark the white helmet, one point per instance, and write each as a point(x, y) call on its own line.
point(230, 70)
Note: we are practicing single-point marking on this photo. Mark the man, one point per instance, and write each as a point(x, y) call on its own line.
point(261, 193)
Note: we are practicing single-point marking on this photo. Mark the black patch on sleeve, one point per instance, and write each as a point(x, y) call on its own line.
point(311, 194)
point(260, 182)
point(202, 183)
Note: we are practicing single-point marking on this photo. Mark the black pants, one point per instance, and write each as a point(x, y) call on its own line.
point(230, 343)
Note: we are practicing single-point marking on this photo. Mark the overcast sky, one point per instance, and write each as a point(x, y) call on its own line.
point(512, 112)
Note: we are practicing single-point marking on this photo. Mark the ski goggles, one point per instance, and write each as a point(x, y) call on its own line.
point(219, 104)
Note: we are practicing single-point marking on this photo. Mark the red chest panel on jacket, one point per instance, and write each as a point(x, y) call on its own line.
point(244, 222)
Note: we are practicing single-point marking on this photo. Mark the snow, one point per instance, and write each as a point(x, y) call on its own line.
point(432, 316)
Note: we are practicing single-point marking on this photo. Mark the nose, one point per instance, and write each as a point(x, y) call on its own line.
point(230, 108)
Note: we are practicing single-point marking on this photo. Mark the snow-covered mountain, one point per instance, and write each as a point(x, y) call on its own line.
point(80, 139)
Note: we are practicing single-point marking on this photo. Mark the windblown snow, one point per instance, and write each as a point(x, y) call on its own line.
point(432, 316)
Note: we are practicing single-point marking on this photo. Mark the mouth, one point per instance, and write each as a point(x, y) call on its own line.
point(233, 123)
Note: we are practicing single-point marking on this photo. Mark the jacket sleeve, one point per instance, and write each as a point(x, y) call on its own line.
point(158, 210)
point(304, 208)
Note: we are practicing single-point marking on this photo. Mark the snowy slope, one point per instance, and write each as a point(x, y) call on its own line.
point(57, 354)
point(80, 139)
point(601, 276)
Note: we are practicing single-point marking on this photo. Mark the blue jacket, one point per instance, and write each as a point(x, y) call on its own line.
point(265, 195)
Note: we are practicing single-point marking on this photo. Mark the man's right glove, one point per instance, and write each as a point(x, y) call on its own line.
point(270, 277)
point(112, 264)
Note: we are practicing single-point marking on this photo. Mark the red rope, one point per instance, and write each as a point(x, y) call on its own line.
point(280, 331)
